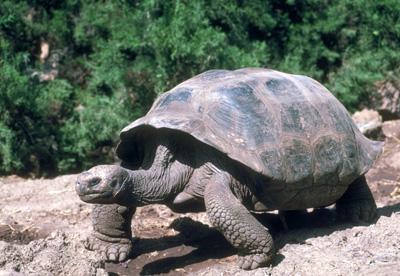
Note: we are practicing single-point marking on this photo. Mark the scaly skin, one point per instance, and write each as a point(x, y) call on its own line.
point(112, 235)
point(357, 203)
point(234, 221)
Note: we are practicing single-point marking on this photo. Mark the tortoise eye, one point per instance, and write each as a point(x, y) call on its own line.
point(94, 181)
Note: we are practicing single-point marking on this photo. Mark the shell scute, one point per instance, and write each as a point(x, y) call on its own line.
point(272, 161)
point(298, 162)
point(284, 89)
point(236, 108)
point(180, 95)
point(328, 159)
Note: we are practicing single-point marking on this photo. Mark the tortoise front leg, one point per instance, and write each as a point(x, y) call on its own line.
point(253, 241)
point(112, 235)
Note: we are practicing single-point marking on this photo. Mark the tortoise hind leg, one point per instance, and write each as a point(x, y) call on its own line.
point(357, 203)
point(234, 221)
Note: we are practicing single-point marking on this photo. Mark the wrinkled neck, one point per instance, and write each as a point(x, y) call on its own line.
point(158, 184)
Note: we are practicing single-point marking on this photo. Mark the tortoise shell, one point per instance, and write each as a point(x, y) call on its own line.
point(287, 127)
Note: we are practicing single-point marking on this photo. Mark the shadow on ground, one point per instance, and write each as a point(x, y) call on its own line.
point(197, 246)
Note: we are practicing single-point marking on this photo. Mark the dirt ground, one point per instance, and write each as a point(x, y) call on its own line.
point(43, 224)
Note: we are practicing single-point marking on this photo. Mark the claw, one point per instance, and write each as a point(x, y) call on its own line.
point(254, 265)
point(112, 257)
point(110, 251)
point(94, 246)
point(122, 257)
point(253, 261)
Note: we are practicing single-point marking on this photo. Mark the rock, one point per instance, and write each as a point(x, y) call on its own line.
point(396, 193)
point(391, 129)
point(384, 178)
point(370, 123)
point(59, 254)
point(10, 273)
point(5, 231)
point(388, 104)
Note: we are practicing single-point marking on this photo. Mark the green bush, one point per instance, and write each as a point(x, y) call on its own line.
point(112, 58)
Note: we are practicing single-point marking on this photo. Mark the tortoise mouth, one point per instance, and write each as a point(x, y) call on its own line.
point(100, 197)
point(96, 197)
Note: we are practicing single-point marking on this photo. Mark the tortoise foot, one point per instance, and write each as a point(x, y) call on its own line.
point(358, 211)
point(253, 261)
point(116, 250)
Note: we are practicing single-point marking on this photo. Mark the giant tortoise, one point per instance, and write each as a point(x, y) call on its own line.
point(231, 143)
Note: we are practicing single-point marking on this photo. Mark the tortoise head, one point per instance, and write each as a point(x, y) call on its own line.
point(104, 184)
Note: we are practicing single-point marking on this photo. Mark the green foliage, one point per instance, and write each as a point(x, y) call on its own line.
point(90, 133)
point(12, 103)
point(110, 59)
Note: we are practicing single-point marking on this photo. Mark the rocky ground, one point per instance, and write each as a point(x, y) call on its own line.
point(43, 224)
